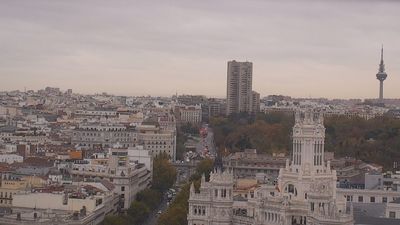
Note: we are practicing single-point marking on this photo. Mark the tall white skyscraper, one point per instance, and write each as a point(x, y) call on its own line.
point(239, 87)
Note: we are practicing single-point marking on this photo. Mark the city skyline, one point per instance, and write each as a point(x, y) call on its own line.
point(129, 48)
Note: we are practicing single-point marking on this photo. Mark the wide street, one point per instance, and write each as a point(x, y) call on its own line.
point(207, 142)
point(153, 217)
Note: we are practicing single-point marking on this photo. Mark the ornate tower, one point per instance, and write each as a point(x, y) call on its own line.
point(307, 165)
point(381, 76)
point(213, 203)
point(308, 141)
point(308, 184)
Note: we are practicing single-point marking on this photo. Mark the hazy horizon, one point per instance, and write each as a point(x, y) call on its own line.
point(305, 48)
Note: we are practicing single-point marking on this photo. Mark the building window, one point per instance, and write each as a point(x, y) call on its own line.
point(216, 193)
point(360, 198)
point(290, 188)
point(372, 199)
point(122, 188)
point(224, 193)
point(384, 199)
point(392, 215)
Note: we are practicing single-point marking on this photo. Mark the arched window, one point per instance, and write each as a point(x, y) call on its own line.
point(291, 189)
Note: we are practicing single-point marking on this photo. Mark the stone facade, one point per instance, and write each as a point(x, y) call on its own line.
point(189, 114)
point(305, 192)
point(103, 135)
point(128, 178)
point(157, 141)
point(249, 163)
point(154, 138)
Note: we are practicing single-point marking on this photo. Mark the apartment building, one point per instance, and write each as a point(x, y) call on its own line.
point(12, 184)
point(77, 204)
point(255, 104)
point(157, 141)
point(103, 135)
point(239, 87)
point(128, 178)
point(189, 114)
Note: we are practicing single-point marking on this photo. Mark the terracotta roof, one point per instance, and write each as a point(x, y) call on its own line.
point(244, 184)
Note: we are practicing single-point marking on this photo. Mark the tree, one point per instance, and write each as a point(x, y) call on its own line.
point(375, 140)
point(164, 176)
point(164, 173)
point(138, 212)
point(150, 197)
point(176, 215)
point(205, 166)
point(114, 220)
point(267, 133)
point(177, 212)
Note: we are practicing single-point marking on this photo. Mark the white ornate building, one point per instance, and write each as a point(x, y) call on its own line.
point(128, 177)
point(305, 192)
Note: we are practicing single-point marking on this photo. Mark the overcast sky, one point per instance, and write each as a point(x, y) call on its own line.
point(301, 48)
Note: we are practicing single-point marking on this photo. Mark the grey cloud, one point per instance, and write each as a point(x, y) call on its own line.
point(158, 47)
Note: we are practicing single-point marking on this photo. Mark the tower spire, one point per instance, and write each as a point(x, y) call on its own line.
point(381, 76)
point(382, 64)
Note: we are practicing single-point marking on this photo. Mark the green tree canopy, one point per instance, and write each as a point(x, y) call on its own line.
point(150, 197)
point(205, 166)
point(267, 133)
point(164, 173)
point(175, 215)
point(177, 212)
point(375, 140)
point(138, 212)
point(115, 220)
